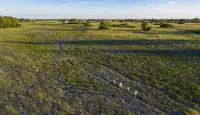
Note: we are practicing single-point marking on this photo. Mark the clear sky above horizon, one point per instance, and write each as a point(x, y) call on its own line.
point(84, 9)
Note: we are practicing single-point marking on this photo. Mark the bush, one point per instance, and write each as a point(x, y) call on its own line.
point(87, 24)
point(163, 22)
point(63, 21)
point(103, 25)
point(181, 21)
point(166, 26)
point(73, 21)
point(145, 26)
point(9, 22)
point(192, 31)
point(124, 25)
point(157, 23)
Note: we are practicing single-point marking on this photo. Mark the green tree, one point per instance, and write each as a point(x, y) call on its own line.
point(1, 23)
point(196, 20)
point(88, 23)
point(164, 21)
point(145, 26)
point(73, 21)
point(8, 22)
point(181, 21)
point(63, 22)
point(103, 25)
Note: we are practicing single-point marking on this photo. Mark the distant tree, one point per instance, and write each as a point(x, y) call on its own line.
point(164, 21)
point(123, 25)
point(163, 24)
point(103, 25)
point(63, 21)
point(181, 21)
point(1, 23)
point(145, 26)
point(24, 20)
point(196, 20)
point(88, 23)
point(166, 26)
point(157, 23)
point(8, 22)
point(73, 21)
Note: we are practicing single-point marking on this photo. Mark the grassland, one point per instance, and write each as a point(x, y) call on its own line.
point(50, 68)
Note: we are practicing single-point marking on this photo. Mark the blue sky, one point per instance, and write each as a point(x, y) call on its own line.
point(83, 9)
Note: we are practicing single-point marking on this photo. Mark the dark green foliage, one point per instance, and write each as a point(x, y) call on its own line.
point(145, 26)
point(62, 21)
point(103, 25)
point(73, 21)
point(192, 31)
point(196, 20)
point(166, 26)
point(181, 21)
point(9, 22)
point(163, 22)
point(157, 23)
point(124, 25)
point(88, 23)
point(25, 20)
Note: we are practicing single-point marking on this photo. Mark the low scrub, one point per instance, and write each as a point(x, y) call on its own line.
point(88, 24)
point(9, 22)
point(192, 31)
point(166, 26)
point(104, 25)
point(73, 21)
point(124, 25)
point(145, 26)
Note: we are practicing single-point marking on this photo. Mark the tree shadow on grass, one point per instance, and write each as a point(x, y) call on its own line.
point(114, 42)
point(184, 52)
point(58, 29)
point(156, 32)
point(179, 53)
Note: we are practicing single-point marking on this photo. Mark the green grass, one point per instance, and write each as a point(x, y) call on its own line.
point(47, 67)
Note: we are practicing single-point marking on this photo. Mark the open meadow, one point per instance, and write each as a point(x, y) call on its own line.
point(51, 68)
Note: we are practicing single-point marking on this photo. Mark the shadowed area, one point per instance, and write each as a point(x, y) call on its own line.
point(114, 42)
point(159, 52)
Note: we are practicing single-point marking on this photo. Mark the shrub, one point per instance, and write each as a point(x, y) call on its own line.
point(181, 21)
point(124, 25)
point(63, 21)
point(166, 26)
point(9, 22)
point(87, 24)
point(73, 21)
point(192, 31)
point(145, 26)
point(103, 25)
point(163, 22)
point(157, 23)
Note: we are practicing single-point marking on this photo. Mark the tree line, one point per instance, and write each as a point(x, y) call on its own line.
point(9, 22)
